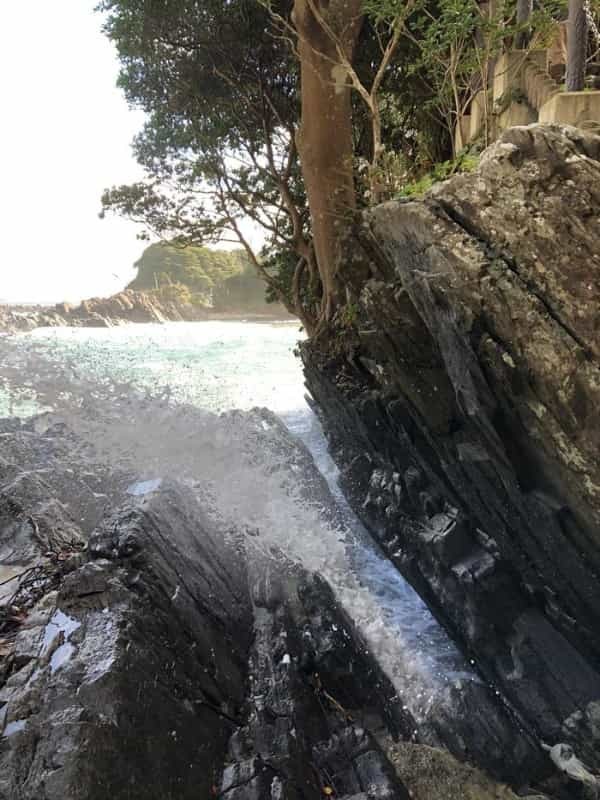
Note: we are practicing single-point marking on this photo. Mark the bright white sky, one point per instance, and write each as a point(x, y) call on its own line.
point(65, 135)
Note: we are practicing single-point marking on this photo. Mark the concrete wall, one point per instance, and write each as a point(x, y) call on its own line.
point(581, 109)
point(522, 93)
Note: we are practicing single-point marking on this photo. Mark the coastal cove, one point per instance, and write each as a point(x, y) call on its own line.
point(416, 618)
point(300, 400)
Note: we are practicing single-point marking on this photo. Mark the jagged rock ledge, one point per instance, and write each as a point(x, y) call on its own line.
point(143, 654)
point(123, 307)
point(461, 397)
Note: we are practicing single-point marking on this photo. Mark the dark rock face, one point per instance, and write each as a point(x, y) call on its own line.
point(158, 658)
point(46, 471)
point(315, 700)
point(130, 678)
point(142, 661)
point(463, 405)
point(330, 708)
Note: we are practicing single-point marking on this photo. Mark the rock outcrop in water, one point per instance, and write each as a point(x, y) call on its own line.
point(462, 400)
point(119, 309)
point(97, 312)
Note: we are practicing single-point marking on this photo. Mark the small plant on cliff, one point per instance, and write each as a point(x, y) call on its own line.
point(466, 161)
point(348, 315)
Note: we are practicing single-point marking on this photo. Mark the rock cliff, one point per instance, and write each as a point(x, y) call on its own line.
point(461, 395)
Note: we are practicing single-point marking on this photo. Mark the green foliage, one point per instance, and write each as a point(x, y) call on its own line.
point(244, 291)
point(199, 276)
point(220, 90)
point(449, 45)
point(218, 80)
point(411, 134)
point(198, 268)
point(283, 264)
point(466, 161)
point(176, 293)
point(348, 315)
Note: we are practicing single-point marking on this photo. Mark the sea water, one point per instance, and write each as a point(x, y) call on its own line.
point(214, 368)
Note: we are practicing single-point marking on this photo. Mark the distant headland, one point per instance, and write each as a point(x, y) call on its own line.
point(172, 284)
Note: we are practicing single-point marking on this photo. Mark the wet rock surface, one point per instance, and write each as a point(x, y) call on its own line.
point(462, 404)
point(315, 699)
point(134, 670)
point(149, 654)
point(147, 667)
point(50, 474)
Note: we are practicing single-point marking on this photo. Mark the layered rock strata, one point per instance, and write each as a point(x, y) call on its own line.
point(143, 653)
point(461, 395)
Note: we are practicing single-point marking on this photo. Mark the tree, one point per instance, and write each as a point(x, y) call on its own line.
point(198, 268)
point(327, 35)
point(219, 86)
point(386, 19)
point(524, 12)
point(264, 109)
point(459, 41)
point(224, 132)
point(577, 34)
point(223, 279)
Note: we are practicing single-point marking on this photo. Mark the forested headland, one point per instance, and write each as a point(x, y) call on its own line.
point(216, 280)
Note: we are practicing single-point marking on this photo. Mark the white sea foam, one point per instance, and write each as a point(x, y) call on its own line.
point(245, 468)
point(59, 624)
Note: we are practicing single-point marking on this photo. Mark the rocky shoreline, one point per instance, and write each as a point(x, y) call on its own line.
point(125, 307)
point(148, 652)
point(462, 405)
point(150, 647)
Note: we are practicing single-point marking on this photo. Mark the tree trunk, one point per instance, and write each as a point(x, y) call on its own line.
point(524, 11)
point(577, 32)
point(325, 142)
